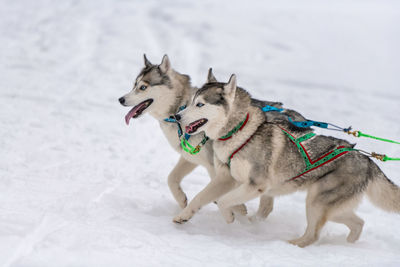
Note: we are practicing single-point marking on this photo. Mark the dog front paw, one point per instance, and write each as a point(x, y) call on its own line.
point(229, 216)
point(227, 213)
point(240, 209)
point(302, 241)
point(184, 216)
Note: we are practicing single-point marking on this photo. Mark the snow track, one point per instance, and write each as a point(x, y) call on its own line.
point(79, 188)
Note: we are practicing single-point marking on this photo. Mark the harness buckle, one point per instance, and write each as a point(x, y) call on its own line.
point(380, 157)
point(354, 133)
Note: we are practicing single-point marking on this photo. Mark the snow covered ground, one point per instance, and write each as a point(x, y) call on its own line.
point(79, 188)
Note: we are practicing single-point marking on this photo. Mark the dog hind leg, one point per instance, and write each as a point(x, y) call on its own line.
point(265, 207)
point(316, 219)
point(353, 222)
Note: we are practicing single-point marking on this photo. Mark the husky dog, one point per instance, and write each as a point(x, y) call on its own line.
point(161, 91)
point(263, 158)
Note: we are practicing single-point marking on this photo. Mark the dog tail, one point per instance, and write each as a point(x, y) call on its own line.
point(383, 193)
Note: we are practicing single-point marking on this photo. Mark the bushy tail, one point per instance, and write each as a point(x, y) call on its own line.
point(384, 193)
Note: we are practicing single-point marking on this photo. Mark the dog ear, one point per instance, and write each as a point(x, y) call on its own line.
point(147, 63)
point(165, 64)
point(210, 77)
point(230, 87)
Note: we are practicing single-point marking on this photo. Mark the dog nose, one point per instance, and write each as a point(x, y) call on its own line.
point(122, 100)
point(177, 117)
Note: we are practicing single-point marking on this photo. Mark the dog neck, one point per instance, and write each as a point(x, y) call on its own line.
point(182, 89)
point(241, 109)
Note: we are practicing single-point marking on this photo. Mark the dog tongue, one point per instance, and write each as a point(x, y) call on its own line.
point(188, 129)
point(191, 127)
point(131, 113)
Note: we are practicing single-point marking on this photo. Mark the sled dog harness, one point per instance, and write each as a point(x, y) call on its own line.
point(228, 136)
point(314, 164)
point(309, 123)
point(310, 164)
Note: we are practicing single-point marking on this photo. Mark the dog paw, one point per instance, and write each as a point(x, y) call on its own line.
point(228, 215)
point(302, 242)
point(353, 236)
point(184, 216)
point(240, 209)
point(255, 218)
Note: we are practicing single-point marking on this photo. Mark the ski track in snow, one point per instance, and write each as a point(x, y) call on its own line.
point(79, 188)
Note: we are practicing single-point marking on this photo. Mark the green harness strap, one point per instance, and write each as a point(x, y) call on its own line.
point(311, 165)
point(297, 142)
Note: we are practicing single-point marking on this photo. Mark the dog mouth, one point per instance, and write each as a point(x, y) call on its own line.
point(194, 126)
point(137, 110)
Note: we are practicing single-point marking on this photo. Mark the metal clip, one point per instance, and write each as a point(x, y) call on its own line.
point(355, 133)
point(380, 157)
point(196, 149)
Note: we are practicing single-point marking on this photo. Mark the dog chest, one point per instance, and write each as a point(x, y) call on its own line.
point(240, 170)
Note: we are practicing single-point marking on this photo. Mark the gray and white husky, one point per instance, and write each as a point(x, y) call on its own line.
point(161, 91)
point(266, 159)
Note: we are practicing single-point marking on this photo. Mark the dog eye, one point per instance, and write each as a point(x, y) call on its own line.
point(199, 105)
point(143, 87)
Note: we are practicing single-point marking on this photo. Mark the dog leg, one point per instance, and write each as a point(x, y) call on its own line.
point(264, 209)
point(222, 184)
point(241, 194)
point(316, 219)
point(353, 222)
point(239, 209)
point(181, 169)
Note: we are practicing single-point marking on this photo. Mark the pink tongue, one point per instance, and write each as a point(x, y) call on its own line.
point(130, 114)
point(189, 128)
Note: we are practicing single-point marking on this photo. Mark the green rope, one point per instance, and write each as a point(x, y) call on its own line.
point(386, 158)
point(381, 157)
point(359, 134)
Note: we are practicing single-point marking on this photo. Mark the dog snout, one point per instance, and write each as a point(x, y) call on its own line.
point(121, 100)
point(178, 117)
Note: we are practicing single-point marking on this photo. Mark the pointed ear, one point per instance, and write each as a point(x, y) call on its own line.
point(210, 77)
point(165, 64)
point(147, 63)
point(230, 87)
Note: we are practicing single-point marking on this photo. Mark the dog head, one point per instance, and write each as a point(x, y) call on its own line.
point(210, 107)
point(152, 91)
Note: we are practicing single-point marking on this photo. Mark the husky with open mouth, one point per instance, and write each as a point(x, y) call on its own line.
point(161, 91)
point(271, 159)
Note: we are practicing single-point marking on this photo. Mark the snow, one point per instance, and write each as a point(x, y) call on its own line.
point(79, 188)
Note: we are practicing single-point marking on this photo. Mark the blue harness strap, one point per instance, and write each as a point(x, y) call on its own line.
point(180, 132)
point(306, 123)
point(271, 108)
